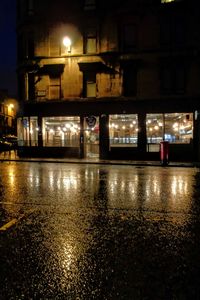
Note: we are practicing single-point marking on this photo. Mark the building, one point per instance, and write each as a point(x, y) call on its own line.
point(8, 111)
point(110, 81)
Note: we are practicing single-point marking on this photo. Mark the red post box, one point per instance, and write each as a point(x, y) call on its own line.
point(164, 153)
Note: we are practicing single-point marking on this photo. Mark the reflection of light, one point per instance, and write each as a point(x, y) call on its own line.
point(156, 127)
point(51, 131)
point(68, 256)
point(11, 176)
point(123, 127)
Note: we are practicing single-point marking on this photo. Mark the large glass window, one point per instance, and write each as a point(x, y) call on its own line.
point(172, 127)
point(179, 127)
point(123, 130)
point(27, 129)
point(61, 131)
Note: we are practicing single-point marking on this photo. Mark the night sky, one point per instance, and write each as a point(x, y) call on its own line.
point(8, 78)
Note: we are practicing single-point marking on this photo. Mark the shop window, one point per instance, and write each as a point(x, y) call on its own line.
point(33, 131)
point(173, 127)
point(179, 127)
point(123, 130)
point(155, 131)
point(27, 130)
point(129, 80)
point(61, 131)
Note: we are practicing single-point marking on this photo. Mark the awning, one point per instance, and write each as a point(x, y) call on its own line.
point(51, 69)
point(94, 66)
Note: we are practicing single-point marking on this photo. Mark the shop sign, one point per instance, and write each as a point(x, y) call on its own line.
point(91, 121)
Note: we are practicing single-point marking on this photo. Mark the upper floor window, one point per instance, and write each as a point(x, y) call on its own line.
point(172, 30)
point(54, 45)
point(90, 5)
point(90, 41)
point(26, 46)
point(128, 37)
point(130, 80)
point(54, 87)
point(89, 85)
point(24, 8)
point(30, 51)
point(30, 8)
point(173, 78)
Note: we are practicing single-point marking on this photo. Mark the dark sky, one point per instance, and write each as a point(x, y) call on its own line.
point(8, 78)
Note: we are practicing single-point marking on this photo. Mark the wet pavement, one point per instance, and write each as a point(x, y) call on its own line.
point(12, 156)
point(86, 231)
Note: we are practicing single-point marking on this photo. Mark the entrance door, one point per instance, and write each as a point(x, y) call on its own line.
point(91, 137)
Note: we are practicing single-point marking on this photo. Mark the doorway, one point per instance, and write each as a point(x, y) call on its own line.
point(91, 137)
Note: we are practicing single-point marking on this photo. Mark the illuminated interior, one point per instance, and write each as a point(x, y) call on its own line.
point(174, 127)
point(123, 130)
point(61, 131)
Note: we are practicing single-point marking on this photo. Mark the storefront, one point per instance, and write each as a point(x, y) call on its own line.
point(112, 136)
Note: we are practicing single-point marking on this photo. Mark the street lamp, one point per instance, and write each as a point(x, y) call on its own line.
point(67, 43)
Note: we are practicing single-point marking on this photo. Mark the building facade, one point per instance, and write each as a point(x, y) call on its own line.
point(109, 81)
point(8, 111)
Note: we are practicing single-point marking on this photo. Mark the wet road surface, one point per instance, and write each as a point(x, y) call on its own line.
point(70, 231)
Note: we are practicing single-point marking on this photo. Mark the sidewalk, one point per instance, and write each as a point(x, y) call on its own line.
point(12, 156)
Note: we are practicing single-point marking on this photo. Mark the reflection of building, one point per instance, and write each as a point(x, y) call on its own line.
point(7, 114)
point(131, 67)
